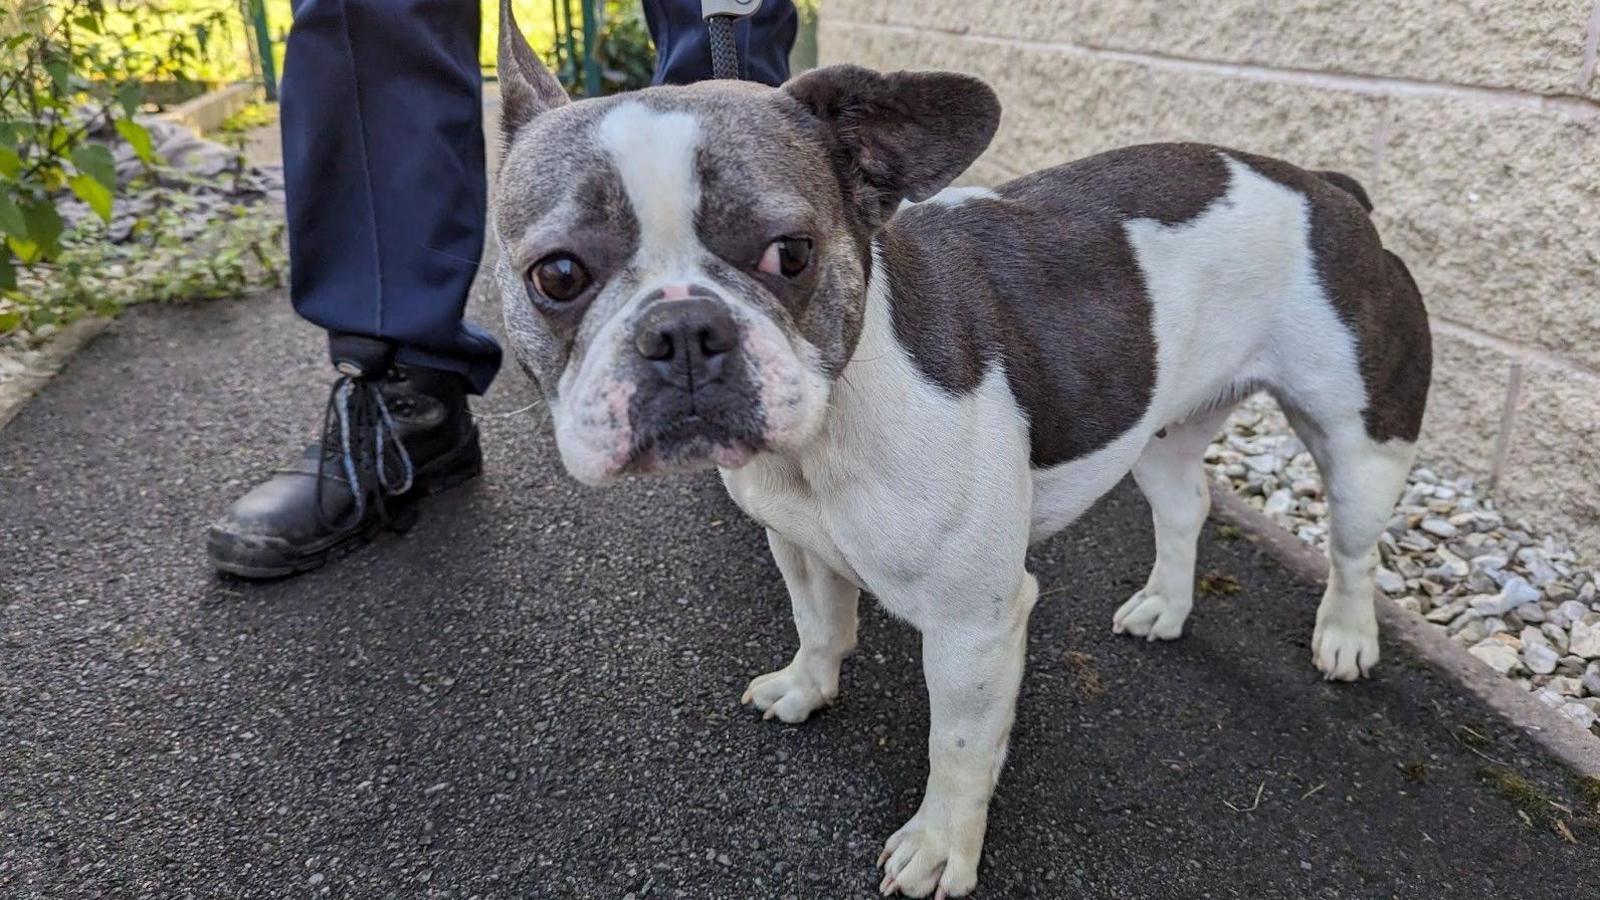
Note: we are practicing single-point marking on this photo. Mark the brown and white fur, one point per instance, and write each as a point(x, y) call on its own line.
point(946, 381)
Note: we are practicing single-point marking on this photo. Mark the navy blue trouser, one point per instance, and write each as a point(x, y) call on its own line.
point(383, 161)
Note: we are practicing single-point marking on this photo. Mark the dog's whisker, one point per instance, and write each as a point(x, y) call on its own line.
point(475, 263)
point(515, 412)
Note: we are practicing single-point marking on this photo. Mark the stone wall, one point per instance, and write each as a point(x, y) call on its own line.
point(1473, 124)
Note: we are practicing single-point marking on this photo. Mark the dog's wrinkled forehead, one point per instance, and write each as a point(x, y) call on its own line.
point(657, 169)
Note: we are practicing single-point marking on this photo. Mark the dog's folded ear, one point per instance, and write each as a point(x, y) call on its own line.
point(526, 87)
point(899, 135)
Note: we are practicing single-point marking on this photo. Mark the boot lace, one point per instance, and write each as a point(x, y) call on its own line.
point(359, 432)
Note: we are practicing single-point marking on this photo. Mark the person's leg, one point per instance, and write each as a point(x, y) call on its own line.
point(683, 46)
point(384, 168)
point(384, 165)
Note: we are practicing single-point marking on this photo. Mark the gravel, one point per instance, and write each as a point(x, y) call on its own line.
point(1539, 658)
point(202, 176)
point(1517, 596)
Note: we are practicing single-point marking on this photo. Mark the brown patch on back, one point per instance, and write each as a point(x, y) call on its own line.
point(1049, 286)
point(1348, 185)
point(1170, 183)
point(1373, 294)
point(1060, 304)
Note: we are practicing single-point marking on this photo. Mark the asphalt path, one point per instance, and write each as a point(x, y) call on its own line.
point(534, 693)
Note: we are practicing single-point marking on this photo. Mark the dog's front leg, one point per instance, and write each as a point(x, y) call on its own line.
point(825, 616)
point(973, 664)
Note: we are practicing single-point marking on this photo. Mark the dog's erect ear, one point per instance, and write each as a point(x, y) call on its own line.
point(526, 87)
point(899, 135)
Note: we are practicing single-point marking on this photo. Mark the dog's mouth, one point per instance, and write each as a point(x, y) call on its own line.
point(692, 441)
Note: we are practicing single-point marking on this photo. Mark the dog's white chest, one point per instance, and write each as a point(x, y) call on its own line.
point(902, 480)
point(776, 493)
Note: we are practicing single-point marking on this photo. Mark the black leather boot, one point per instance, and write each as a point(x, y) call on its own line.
point(386, 443)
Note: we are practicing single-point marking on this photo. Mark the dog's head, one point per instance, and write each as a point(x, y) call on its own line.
point(683, 269)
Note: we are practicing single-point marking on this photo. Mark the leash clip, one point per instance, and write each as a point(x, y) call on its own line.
point(731, 9)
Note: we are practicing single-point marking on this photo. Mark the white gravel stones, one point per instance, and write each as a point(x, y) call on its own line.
point(1263, 464)
point(1569, 612)
point(1489, 605)
point(1516, 592)
point(1281, 501)
point(1585, 640)
point(1581, 713)
point(1438, 527)
point(1444, 615)
point(1390, 582)
point(1520, 599)
point(1499, 656)
point(1591, 679)
point(1566, 686)
point(1539, 658)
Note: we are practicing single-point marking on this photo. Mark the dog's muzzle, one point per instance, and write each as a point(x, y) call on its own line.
point(696, 400)
point(687, 342)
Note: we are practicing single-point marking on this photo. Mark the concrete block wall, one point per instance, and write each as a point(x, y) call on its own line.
point(1474, 125)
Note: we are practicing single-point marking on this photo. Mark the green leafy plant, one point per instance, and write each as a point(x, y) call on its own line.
point(42, 131)
point(56, 88)
point(240, 250)
point(167, 43)
point(252, 117)
point(626, 55)
point(72, 79)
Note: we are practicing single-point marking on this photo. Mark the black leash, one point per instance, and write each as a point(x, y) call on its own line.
point(720, 15)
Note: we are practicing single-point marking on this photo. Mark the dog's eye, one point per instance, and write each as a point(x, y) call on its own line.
point(786, 256)
point(559, 277)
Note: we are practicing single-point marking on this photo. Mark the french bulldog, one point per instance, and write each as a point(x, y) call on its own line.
point(907, 384)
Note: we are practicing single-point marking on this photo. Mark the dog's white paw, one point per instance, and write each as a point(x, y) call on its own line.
point(1152, 616)
point(1344, 652)
point(928, 857)
point(791, 694)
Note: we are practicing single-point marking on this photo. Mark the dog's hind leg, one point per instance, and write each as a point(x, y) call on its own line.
point(824, 607)
point(1363, 479)
point(1171, 473)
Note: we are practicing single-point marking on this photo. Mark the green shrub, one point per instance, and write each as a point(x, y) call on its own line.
point(624, 50)
point(72, 71)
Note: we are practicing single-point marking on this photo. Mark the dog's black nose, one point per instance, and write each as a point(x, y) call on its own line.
point(687, 337)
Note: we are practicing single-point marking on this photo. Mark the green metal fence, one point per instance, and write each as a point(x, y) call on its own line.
point(266, 63)
point(570, 64)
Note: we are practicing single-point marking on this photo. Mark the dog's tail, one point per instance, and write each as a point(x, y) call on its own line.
point(1349, 185)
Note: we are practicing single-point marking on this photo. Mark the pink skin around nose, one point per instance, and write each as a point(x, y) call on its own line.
point(675, 292)
point(602, 435)
point(780, 390)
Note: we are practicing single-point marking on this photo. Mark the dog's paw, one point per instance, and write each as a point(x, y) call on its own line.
point(791, 694)
point(927, 857)
point(1151, 616)
point(1344, 652)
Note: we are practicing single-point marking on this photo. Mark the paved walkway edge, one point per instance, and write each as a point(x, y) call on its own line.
point(17, 391)
point(1573, 746)
point(206, 113)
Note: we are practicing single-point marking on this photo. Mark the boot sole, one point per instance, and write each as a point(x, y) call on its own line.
point(254, 561)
